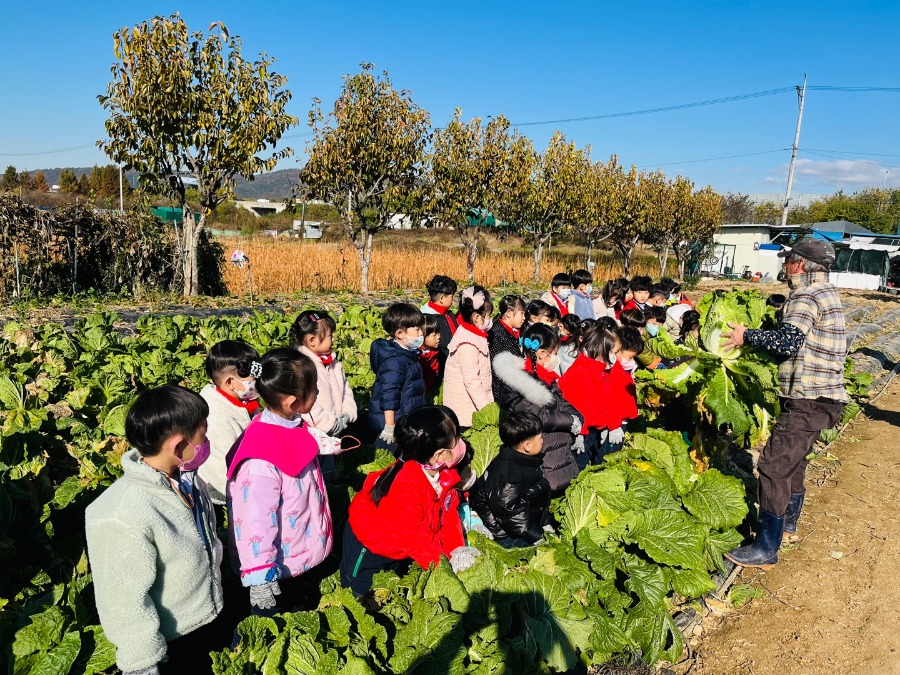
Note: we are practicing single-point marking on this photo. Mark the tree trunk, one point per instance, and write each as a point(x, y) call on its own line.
point(627, 253)
point(587, 255)
point(663, 255)
point(538, 244)
point(362, 242)
point(471, 245)
point(190, 237)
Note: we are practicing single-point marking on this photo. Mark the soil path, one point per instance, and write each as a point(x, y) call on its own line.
point(833, 601)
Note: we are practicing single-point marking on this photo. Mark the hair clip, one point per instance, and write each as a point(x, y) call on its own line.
point(532, 343)
point(314, 316)
point(255, 369)
point(476, 298)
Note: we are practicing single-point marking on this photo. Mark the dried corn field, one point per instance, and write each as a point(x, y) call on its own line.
point(288, 265)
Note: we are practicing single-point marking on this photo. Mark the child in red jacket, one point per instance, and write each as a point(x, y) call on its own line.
point(597, 393)
point(409, 512)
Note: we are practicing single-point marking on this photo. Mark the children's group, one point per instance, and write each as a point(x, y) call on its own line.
point(254, 449)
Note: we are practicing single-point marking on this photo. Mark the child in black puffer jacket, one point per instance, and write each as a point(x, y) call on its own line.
point(512, 495)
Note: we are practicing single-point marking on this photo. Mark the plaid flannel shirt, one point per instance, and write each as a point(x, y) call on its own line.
point(812, 336)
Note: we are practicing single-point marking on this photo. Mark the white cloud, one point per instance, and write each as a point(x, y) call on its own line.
point(839, 174)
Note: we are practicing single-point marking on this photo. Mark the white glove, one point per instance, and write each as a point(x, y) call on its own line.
point(263, 596)
point(576, 425)
point(604, 435)
point(467, 478)
point(387, 434)
point(616, 436)
point(340, 424)
point(152, 670)
point(548, 529)
point(578, 445)
point(463, 557)
point(482, 530)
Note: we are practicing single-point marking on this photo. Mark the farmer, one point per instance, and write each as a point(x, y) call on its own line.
point(811, 340)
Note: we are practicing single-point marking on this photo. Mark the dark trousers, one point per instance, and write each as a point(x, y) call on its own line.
point(782, 463)
point(190, 653)
point(359, 565)
point(595, 450)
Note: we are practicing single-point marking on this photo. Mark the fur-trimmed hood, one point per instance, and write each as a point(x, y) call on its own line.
point(510, 369)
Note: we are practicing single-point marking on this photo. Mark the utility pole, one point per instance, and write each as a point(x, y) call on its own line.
point(801, 93)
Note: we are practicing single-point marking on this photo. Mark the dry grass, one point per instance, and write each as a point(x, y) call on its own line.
point(287, 266)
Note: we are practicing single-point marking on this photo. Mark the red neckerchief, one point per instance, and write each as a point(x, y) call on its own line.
point(563, 307)
point(565, 338)
point(439, 309)
point(250, 406)
point(548, 377)
point(326, 359)
point(446, 313)
point(471, 328)
point(509, 329)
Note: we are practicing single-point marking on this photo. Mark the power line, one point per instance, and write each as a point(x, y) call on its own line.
point(46, 152)
point(851, 159)
point(851, 152)
point(713, 159)
point(825, 87)
point(648, 111)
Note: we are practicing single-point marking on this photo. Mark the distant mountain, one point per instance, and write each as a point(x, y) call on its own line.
point(275, 185)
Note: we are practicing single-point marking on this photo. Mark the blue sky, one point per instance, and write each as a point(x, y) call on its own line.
point(531, 61)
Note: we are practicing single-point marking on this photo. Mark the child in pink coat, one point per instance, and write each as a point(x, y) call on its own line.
point(467, 375)
point(335, 408)
point(280, 524)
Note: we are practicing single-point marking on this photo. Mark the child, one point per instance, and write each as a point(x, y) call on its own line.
point(280, 524)
point(539, 311)
point(631, 344)
point(690, 329)
point(676, 297)
point(634, 318)
point(512, 496)
point(568, 327)
point(609, 302)
point(570, 349)
point(674, 316)
point(559, 293)
point(505, 334)
point(335, 408)
point(586, 386)
point(655, 320)
point(467, 378)
point(152, 542)
point(409, 511)
point(640, 293)
point(658, 296)
point(399, 384)
point(429, 355)
point(232, 368)
point(580, 303)
point(528, 385)
point(441, 290)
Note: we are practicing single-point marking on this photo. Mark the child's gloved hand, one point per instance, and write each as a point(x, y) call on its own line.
point(463, 557)
point(576, 425)
point(578, 445)
point(481, 529)
point(616, 435)
point(603, 435)
point(152, 670)
point(340, 424)
point(387, 434)
point(467, 478)
point(263, 596)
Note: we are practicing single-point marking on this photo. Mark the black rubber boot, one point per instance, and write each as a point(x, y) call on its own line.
point(763, 552)
point(792, 515)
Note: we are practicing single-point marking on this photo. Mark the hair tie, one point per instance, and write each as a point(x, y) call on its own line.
point(532, 343)
point(476, 298)
point(255, 369)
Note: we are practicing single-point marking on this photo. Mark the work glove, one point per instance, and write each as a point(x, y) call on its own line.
point(578, 445)
point(548, 529)
point(480, 528)
point(262, 597)
point(340, 424)
point(576, 425)
point(616, 436)
point(387, 434)
point(463, 557)
point(151, 670)
point(603, 435)
point(467, 478)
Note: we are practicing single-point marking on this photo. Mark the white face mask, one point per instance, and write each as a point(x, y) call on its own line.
point(552, 363)
point(589, 289)
point(564, 293)
point(486, 324)
point(249, 393)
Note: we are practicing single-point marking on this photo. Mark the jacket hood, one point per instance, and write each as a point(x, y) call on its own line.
point(509, 369)
point(137, 471)
point(382, 350)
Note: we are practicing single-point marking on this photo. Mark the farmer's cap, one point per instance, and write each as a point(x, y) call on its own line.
point(814, 250)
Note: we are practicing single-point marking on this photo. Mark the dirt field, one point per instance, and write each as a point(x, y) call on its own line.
point(832, 604)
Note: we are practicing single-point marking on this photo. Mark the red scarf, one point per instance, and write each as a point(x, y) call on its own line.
point(548, 377)
point(471, 328)
point(563, 307)
point(444, 312)
point(250, 406)
point(509, 329)
point(326, 359)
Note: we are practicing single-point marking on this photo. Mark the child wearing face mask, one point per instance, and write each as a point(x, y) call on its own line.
point(399, 384)
point(467, 377)
point(232, 368)
point(151, 541)
point(280, 524)
point(512, 496)
point(335, 408)
point(559, 293)
point(409, 512)
point(505, 334)
point(581, 302)
point(586, 385)
point(529, 385)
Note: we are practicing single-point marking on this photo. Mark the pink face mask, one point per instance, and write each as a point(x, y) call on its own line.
point(458, 451)
point(201, 454)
